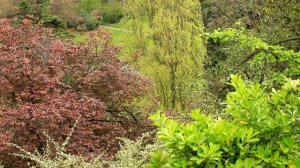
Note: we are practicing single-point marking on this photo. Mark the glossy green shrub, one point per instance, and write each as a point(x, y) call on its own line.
point(262, 132)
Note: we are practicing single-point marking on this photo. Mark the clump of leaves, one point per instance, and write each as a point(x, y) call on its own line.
point(262, 131)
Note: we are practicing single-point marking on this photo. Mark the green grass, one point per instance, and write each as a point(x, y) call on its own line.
point(79, 37)
point(123, 24)
point(119, 37)
point(123, 38)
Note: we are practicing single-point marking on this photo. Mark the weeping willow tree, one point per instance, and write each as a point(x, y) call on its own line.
point(174, 55)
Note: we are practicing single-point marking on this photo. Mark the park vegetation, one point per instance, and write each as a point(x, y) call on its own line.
point(149, 83)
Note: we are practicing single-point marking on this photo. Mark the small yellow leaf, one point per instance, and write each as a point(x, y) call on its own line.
point(243, 122)
point(292, 166)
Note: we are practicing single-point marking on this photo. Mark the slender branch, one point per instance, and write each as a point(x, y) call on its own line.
point(222, 11)
point(254, 53)
point(251, 55)
point(102, 120)
point(288, 40)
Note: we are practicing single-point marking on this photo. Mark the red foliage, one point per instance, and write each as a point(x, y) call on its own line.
point(46, 83)
point(106, 77)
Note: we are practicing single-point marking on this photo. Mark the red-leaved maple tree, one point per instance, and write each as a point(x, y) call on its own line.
point(47, 83)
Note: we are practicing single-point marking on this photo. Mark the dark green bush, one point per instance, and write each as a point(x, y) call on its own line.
point(89, 22)
point(24, 7)
point(53, 21)
point(112, 13)
point(92, 24)
point(262, 132)
point(63, 33)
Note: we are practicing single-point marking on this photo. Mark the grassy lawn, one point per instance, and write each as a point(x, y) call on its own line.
point(122, 38)
point(119, 37)
point(79, 37)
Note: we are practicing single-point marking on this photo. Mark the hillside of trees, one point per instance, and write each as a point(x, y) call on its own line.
point(149, 83)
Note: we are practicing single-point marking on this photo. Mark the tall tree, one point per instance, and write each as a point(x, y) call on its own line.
point(176, 48)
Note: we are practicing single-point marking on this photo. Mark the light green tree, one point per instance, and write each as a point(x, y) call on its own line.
point(174, 49)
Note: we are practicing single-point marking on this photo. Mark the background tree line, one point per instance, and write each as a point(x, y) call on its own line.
point(66, 13)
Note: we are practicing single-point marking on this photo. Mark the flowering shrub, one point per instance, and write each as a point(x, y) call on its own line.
point(54, 155)
point(46, 83)
point(133, 154)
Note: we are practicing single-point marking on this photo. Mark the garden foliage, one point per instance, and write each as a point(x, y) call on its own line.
point(132, 154)
point(262, 131)
point(175, 46)
point(282, 62)
point(46, 83)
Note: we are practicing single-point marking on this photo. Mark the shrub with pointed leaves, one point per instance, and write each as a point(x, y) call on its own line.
point(263, 131)
point(46, 83)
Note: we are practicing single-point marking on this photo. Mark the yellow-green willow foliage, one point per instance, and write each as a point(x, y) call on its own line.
point(174, 55)
point(134, 10)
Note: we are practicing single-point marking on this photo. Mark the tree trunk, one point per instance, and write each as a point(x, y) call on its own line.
point(173, 87)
